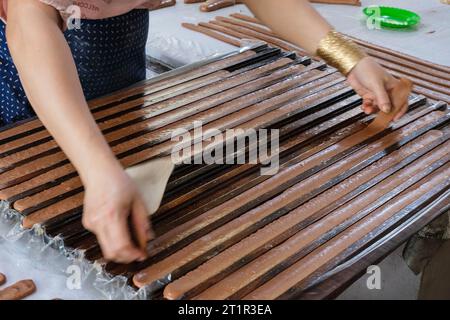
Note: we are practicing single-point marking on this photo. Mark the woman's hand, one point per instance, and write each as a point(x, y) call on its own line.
point(373, 83)
point(111, 202)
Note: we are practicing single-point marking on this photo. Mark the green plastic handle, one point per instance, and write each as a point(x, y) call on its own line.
point(390, 17)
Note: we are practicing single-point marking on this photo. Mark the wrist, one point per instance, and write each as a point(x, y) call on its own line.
point(104, 167)
point(360, 65)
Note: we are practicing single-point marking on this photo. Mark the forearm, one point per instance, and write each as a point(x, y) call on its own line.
point(294, 20)
point(49, 77)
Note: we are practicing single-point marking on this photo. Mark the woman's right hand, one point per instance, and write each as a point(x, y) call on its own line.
point(376, 86)
point(111, 199)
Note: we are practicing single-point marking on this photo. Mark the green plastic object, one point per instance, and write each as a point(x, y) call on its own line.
point(390, 17)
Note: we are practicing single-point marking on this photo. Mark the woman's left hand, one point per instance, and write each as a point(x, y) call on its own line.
point(373, 83)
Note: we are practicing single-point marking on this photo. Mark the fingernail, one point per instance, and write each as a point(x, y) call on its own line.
point(387, 109)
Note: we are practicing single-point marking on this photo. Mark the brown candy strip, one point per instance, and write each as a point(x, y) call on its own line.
point(430, 79)
point(409, 68)
point(169, 83)
point(18, 291)
point(225, 122)
point(289, 147)
point(399, 99)
point(380, 49)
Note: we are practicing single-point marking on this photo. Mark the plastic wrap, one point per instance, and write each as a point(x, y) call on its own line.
point(213, 5)
point(177, 46)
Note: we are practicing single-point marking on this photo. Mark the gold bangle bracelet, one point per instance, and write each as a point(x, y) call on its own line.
point(340, 52)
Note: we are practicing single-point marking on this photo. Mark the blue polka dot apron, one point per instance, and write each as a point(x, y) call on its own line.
point(109, 55)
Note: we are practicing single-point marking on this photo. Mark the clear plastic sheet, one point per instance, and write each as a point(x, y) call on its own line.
point(170, 43)
point(177, 46)
point(34, 249)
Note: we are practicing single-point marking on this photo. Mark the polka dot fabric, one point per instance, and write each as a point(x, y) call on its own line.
point(14, 104)
point(109, 55)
